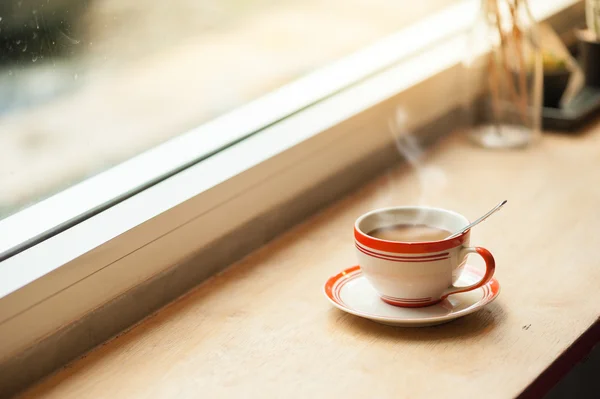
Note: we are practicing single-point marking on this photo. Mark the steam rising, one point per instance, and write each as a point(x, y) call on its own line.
point(432, 179)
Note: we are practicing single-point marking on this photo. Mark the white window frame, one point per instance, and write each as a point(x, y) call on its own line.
point(53, 283)
point(47, 217)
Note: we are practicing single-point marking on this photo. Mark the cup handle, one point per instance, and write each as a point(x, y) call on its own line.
point(490, 267)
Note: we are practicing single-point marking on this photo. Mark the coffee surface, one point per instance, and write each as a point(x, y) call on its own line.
point(410, 233)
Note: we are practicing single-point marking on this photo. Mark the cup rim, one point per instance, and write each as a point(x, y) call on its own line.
point(366, 240)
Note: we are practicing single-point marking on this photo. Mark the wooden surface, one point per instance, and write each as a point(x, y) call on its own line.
point(264, 329)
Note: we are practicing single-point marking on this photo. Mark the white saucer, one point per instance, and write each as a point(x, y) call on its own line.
point(351, 292)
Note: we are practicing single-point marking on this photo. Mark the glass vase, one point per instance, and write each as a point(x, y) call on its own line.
point(503, 76)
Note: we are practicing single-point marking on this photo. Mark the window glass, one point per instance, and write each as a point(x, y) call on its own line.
point(87, 84)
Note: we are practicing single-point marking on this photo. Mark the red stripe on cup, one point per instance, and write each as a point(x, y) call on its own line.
point(409, 304)
point(403, 257)
point(391, 298)
point(409, 247)
point(397, 259)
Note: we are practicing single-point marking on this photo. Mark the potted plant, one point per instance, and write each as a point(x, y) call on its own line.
point(589, 44)
point(556, 78)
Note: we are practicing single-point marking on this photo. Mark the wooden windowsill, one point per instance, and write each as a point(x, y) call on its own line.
point(264, 329)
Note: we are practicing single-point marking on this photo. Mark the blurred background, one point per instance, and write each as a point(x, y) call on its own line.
point(87, 84)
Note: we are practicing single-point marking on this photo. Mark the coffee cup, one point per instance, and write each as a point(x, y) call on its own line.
point(418, 273)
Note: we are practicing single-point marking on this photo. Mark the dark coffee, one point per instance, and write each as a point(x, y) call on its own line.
point(410, 233)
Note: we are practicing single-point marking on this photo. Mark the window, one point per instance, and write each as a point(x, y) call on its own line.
point(89, 85)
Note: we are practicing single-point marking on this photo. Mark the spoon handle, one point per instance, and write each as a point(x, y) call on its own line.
point(481, 219)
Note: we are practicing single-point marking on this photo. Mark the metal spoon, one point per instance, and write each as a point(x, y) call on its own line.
point(481, 219)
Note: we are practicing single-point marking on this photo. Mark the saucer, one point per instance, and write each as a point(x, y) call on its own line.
point(351, 292)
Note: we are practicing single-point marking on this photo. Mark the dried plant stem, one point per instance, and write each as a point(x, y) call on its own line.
point(520, 99)
point(495, 88)
point(503, 55)
point(518, 42)
point(592, 13)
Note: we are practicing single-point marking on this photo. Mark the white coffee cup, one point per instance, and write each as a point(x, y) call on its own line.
point(416, 274)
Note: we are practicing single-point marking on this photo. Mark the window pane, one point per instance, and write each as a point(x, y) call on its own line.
point(85, 85)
